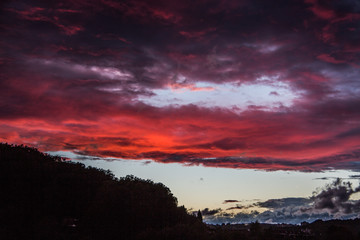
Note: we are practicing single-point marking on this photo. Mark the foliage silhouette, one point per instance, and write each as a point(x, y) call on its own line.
point(199, 216)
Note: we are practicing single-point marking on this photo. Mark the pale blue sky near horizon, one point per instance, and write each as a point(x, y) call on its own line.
point(199, 187)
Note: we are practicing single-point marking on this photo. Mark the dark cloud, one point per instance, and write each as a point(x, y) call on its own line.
point(338, 161)
point(238, 207)
point(336, 198)
point(325, 178)
point(322, 178)
point(354, 176)
point(230, 201)
point(274, 93)
point(283, 202)
point(351, 133)
point(147, 162)
point(210, 212)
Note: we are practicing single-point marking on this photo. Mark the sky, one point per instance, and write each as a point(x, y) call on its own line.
point(220, 91)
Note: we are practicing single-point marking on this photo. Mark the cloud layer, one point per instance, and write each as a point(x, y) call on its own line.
point(333, 201)
point(81, 75)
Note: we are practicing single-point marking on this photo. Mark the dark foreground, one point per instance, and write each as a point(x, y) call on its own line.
point(47, 197)
point(334, 229)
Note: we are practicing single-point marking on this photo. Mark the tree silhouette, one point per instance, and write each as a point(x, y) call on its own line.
point(199, 216)
point(52, 198)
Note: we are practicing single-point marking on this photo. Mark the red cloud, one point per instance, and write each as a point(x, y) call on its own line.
point(321, 12)
point(79, 88)
point(188, 135)
point(197, 34)
point(45, 15)
point(329, 58)
point(190, 87)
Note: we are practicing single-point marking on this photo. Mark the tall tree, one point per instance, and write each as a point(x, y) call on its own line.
point(199, 216)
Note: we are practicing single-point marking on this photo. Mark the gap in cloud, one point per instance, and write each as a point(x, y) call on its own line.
point(264, 92)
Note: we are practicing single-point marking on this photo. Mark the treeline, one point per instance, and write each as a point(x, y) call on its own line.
point(47, 197)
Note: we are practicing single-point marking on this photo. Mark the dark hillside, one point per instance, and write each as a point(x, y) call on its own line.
point(46, 197)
